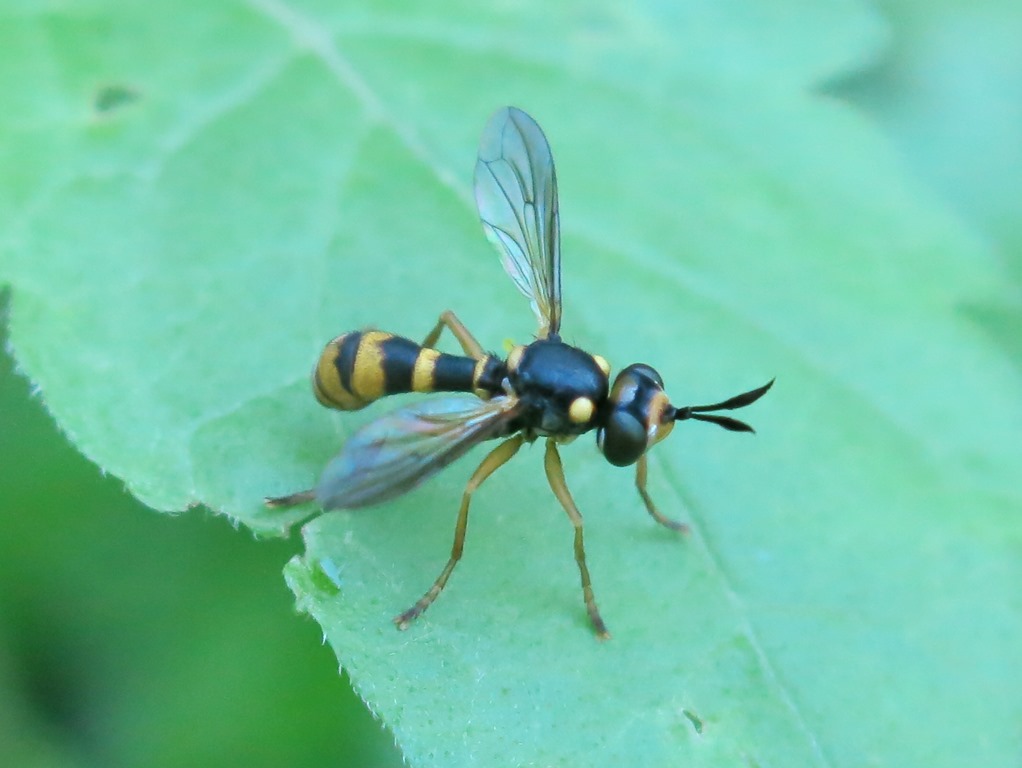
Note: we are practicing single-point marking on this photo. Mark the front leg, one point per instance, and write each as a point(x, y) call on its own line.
point(640, 483)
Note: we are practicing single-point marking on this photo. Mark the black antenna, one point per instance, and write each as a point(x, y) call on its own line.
point(738, 401)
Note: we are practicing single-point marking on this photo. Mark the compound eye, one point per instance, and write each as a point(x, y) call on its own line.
point(646, 372)
point(623, 439)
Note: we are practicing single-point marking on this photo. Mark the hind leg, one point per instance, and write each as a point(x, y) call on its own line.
point(468, 342)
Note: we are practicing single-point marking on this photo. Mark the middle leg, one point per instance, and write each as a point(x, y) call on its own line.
point(555, 476)
point(493, 461)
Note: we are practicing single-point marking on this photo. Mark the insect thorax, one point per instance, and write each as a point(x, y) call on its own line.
point(562, 388)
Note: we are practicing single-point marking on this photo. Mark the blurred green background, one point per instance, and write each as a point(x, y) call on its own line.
point(131, 638)
point(135, 691)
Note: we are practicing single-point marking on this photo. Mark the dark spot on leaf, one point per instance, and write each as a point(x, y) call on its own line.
point(693, 718)
point(112, 97)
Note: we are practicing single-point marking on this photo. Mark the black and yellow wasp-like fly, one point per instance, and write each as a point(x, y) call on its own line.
point(545, 389)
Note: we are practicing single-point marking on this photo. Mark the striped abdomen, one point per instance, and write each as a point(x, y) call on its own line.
point(359, 367)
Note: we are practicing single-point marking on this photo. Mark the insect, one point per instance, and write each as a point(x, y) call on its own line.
point(547, 388)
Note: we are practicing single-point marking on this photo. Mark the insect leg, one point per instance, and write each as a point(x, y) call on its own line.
point(640, 483)
point(494, 460)
point(291, 500)
point(555, 476)
point(468, 343)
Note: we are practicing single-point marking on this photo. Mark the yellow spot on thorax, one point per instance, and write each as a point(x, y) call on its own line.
point(581, 410)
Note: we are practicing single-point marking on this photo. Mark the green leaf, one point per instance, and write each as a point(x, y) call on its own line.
point(130, 635)
point(200, 197)
point(948, 96)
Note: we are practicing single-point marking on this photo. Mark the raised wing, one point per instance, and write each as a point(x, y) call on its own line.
point(516, 194)
point(395, 453)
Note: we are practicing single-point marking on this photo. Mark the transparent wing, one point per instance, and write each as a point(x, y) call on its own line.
point(516, 194)
point(395, 453)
